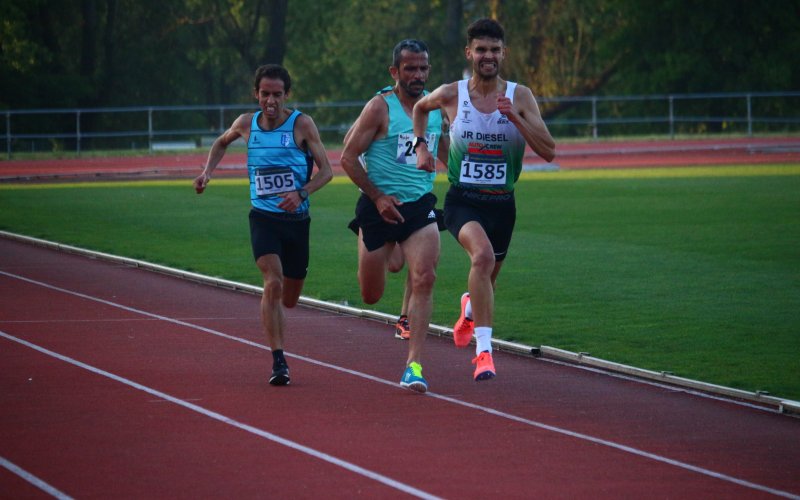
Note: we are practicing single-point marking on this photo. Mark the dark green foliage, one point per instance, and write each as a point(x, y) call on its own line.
point(148, 52)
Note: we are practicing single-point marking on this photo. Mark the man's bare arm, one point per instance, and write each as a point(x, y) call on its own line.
point(239, 128)
point(525, 115)
point(444, 141)
point(438, 99)
point(358, 139)
point(310, 136)
point(369, 126)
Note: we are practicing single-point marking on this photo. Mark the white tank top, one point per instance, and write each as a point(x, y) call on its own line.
point(486, 149)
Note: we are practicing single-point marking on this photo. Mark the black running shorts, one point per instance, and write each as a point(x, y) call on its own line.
point(285, 237)
point(495, 213)
point(377, 232)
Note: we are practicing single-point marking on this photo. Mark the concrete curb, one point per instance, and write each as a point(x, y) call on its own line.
point(779, 404)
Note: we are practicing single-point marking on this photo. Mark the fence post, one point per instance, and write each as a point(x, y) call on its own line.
point(671, 117)
point(749, 117)
point(150, 129)
point(594, 117)
point(78, 132)
point(8, 134)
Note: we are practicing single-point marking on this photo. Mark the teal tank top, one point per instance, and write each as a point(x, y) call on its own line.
point(391, 163)
point(276, 164)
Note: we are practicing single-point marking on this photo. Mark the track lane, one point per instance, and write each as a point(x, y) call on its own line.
point(374, 422)
point(570, 155)
point(139, 442)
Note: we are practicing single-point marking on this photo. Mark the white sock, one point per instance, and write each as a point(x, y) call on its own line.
point(483, 337)
point(468, 309)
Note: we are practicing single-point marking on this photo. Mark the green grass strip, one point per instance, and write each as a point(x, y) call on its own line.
point(690, 270)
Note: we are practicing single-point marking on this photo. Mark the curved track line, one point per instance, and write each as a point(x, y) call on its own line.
point(405, 488)
point(491, 411)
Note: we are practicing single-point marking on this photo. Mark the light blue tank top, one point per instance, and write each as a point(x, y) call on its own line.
point(391, 163)
point(276, 164)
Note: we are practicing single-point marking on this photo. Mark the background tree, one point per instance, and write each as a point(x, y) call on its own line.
point(558, 47)
point(92, 53)
point(674, 46)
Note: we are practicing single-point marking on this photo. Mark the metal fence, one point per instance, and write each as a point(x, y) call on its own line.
point(187, 127)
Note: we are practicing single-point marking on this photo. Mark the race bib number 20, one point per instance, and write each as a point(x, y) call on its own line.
point(270, 182)
point(484, 174)
point(405, 148)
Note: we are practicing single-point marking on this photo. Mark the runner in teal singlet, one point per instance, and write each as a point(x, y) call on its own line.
point(396, 205)
point(397, 261)
point(491, 121)
point(282, 147)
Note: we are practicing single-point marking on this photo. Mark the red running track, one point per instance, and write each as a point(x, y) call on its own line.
point(121, 382)
point(627, 154)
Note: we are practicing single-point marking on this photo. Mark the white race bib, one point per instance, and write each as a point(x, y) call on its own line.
point(405, 148)
point(483, 174)
point(273, 181)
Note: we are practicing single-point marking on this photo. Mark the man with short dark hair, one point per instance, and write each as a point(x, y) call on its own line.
point(491, 121)
point(396, 206)
point(282, 147)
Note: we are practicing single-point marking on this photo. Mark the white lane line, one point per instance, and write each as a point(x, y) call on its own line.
point(107, 320)
point(35, 481)
point(392, 483)
point(491, 411)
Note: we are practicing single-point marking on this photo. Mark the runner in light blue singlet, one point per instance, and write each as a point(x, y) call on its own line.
point(275, 164)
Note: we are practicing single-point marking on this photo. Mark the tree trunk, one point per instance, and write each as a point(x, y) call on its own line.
point(88, 59)
point(452, 60)
point(276, 43)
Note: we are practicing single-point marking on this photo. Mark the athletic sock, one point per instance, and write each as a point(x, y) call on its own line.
point(483, 338)
point(468, 310)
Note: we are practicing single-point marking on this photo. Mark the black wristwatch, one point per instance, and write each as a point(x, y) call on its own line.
point(416, 142)
point(303, 194)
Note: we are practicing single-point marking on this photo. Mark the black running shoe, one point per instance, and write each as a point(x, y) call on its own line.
point(280, 374)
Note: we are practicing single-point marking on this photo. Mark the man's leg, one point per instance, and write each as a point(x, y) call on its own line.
point(396, 260)
point(396, 263)
point(292, 288)
point(481, 272)
point(271, 308)
point(422, 254)
point(484, 269)
point(272, 318)
point(372, 270)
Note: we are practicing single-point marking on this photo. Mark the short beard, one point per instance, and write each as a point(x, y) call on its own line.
point(410, 91)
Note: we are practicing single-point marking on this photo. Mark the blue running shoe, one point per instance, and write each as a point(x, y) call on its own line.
point(412, 378)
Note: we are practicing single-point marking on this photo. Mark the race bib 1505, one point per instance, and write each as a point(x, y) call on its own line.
point(273, 181)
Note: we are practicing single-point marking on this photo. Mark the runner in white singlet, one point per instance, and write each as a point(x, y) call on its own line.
point(491, 121)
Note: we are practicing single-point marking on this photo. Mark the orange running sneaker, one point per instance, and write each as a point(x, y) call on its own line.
point(401, 328)
point(462, 332)
point(484, 366)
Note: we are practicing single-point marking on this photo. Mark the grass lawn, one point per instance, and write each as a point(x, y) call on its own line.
point(694, 271)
